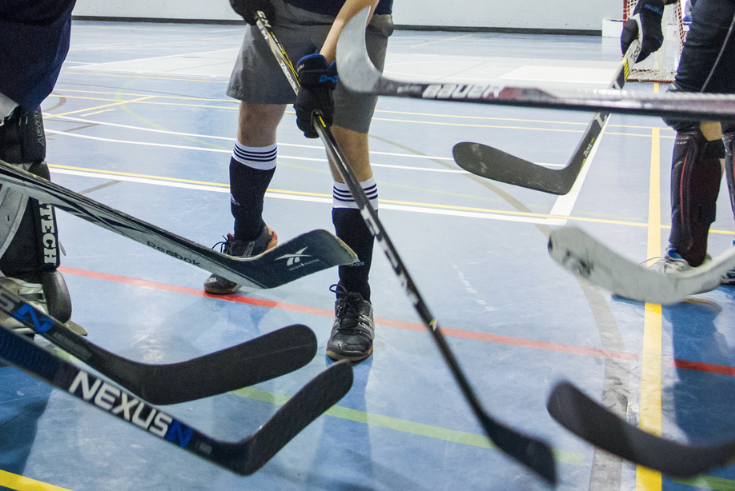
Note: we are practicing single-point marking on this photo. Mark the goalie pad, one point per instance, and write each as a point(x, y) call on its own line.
point(28, 235)
point(695, 183)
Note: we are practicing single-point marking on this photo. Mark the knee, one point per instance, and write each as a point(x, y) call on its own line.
point(258, 122)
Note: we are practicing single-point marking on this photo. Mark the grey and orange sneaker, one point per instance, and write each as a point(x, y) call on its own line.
point(266, 241)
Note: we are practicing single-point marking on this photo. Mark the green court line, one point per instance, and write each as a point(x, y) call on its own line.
point(435, 432)
point(708, 482)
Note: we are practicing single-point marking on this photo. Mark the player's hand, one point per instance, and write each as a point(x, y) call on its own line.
point(318, 79)
point(248, 8)
point(644, 25)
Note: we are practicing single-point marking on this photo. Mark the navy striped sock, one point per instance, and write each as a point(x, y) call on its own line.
point(351, 228)
point(251, 171)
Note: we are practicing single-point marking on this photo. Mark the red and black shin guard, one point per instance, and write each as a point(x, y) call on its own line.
point(695, 183)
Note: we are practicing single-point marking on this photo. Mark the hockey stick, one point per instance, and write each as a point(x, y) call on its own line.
point(531, 452)
point(597, 425)
point(299, 257)
point(492, 163)
point(243, 457)
point(359, 74)
point(249, 363)
point(586, 257)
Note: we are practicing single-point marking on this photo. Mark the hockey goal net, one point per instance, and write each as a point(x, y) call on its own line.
point(661, 66)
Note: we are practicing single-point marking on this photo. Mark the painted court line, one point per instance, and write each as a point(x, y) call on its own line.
point(426, 208)
point(231, 140)
point(408, 326)
point(21, 483)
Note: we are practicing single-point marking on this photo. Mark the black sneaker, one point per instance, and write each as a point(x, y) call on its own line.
point(353, 329)
point(266, 241)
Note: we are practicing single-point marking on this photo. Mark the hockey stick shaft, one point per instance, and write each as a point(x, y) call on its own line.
point(491, 163)
point(359, 74)
point(299, 257)
point(267, 357)
point(533, 453)
point(243, 457)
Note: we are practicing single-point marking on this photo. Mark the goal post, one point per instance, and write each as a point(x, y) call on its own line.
point(661, 66)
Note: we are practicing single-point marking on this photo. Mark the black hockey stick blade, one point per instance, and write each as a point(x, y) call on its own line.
point(595, 424)
point(358, 74)
point(492, 163)
point(533, 453)
point(583, 255)
point(264, 358)
point(306, 254)
point(244, 457)
point(309, 403)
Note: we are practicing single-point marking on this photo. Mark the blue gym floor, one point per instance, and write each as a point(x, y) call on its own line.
point(140, 121)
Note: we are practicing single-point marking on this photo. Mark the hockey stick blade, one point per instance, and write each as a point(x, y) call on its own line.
point(492, 163)
point(584, 256)
point(533, 453)
point(358, 74)
point(306, 254)
point(244, 457)
point(595, 424)
point(264, 358)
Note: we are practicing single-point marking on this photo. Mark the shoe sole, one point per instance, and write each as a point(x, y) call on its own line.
point(351, 358)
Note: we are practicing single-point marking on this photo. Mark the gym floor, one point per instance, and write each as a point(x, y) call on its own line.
point(140, 121)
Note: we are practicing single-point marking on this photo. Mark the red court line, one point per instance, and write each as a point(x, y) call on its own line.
point(408, 326)
point(703, 367)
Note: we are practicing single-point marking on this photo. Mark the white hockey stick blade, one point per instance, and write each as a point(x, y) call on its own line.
point(358, 73)
point(586, 257)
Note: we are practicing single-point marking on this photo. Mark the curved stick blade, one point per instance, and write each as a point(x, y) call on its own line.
point(593, 423)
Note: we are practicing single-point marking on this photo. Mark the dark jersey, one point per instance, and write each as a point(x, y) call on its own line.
point(34, 41)
point(332, 7)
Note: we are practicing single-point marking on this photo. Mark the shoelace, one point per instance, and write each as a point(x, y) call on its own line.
point(222, 244)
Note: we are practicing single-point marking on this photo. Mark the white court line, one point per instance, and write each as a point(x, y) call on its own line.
point(230, 139)
point(100, 66)
point(316, 199)
point(218, 150)
point(564, 204)
point(311, 147)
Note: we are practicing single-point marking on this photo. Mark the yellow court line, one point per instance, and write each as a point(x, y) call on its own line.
point(650, 398)
point(20, 483)
point(387, 201)
point(97, 107)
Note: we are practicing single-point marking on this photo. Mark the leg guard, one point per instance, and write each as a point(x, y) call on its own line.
point(28, 233)
point(695, 183)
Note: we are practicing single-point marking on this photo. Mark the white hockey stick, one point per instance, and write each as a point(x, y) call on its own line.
point(359, 74)
point(586, 257)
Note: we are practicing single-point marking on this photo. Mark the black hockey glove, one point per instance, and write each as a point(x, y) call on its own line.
point(644, 24)
point(248, 8)
point(317, 80)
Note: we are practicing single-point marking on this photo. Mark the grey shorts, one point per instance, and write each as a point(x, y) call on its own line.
point(257, 78)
